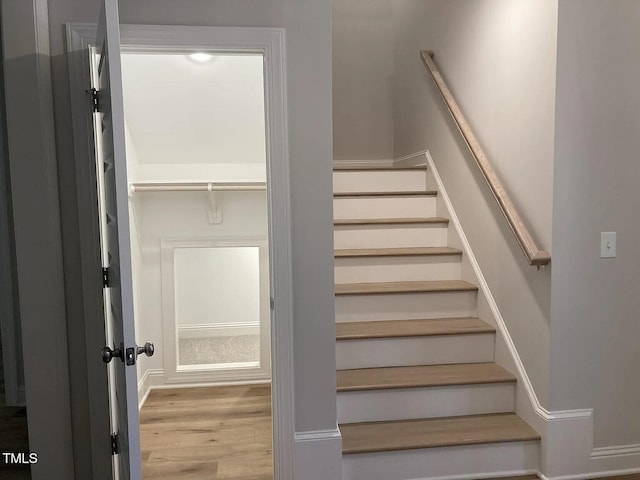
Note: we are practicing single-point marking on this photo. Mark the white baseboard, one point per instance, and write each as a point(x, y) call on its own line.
point(566, 435)
point(154, 379)
point(615, 451)
point(614, 460)
point(363, 162)
point(413, 160)
point(204, 330)
point(317, 454)
point(151, 378)
point(593, 474)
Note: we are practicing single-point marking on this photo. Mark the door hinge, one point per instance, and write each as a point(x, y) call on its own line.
point(115, 444)
point(95, 99)
point(106, 277)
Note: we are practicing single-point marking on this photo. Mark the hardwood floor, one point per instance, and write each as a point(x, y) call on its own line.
point(207, 433)
point(13, 434)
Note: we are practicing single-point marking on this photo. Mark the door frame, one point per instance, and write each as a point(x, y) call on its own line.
point(174, 375)
point(170, 38)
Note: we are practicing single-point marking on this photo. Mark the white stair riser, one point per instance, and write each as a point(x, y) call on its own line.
point(395, 352)
point(382, 181)
point(389, 236)
point(384, 207)
point(462, 462)
point(359, 308)
point(414, 403)
point(397, 269)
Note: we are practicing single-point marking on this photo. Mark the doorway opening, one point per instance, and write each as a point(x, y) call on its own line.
point(119, 396)
point(196, 161)
point(198, 214)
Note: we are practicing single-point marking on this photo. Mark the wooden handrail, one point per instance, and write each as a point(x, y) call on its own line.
point(534, 255)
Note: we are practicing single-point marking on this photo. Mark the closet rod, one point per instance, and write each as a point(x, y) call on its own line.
point(198, 187)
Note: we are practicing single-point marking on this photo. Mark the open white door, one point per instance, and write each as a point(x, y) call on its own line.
point(122, 352)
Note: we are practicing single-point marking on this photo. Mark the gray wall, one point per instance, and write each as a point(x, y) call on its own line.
point(307, 23)
point(10, 329)
point(595, 303)
point(362, 72)
point(498, 57)
point(38, 249)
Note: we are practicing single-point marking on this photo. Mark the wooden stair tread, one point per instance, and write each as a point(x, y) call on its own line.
point(389, 221)
point(370, 167)
point(411, 328)
point(523, 477)
point(423, 193)
point(396, 252)
point(421, 376)
point(427, 286)
point(372, 437)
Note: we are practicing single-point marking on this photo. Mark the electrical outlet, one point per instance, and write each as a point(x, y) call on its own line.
point(607, 244)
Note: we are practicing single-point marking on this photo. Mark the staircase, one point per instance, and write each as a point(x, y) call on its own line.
point(419, 394)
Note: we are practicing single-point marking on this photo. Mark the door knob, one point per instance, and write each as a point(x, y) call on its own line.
point(148, 349)
point(108, 354)
point(129, 355)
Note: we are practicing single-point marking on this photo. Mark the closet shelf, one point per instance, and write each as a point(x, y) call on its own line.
point(196, 186)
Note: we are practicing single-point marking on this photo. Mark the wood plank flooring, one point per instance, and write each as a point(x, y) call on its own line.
point(207, 433)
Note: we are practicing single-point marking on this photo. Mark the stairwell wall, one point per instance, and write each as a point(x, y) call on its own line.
point(362, 72)
point(594, 310)
point(498, 58)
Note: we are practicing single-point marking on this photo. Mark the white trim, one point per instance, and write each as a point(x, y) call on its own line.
point(411, 160)
point(616, 451)
point(314, 435)
point(174, 373)
point(212, 384)
point(152, 378)
point(583, 476)
point(203, 330)
point(271, 42)
point(524, 378)
point(318, 454)
point(557, 428)
point(364, 163)
point(547, 415)
point(492, 475)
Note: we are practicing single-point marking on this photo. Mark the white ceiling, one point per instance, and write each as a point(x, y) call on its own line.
point(181, 111)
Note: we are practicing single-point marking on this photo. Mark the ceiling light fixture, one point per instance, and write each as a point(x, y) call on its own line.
point(200, 57)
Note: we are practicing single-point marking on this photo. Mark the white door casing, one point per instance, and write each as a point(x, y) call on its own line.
point(270, 42)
